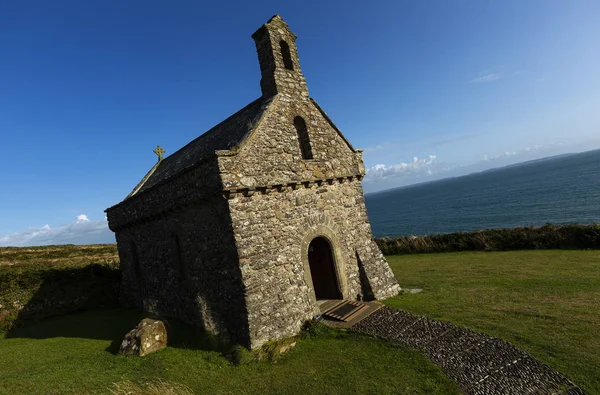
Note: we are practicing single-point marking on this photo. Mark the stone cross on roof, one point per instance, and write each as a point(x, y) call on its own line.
point(159, 151)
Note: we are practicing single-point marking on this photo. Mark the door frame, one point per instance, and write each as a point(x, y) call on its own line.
point(338, 262)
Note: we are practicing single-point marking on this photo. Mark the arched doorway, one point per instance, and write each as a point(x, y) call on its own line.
point(322, 269)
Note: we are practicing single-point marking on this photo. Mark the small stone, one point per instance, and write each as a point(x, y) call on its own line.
point(149, 336)
point(415, 290)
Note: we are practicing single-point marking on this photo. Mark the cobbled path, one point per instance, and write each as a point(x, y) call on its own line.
point(479, 364)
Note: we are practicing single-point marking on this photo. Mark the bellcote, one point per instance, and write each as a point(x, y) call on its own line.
point(278, 58)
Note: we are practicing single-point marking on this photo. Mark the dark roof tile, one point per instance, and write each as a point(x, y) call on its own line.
point(225, 136)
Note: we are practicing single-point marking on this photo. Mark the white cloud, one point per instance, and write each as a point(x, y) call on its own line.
point(486, 78)
point(82, 231)
point(417, 166)
point(536, 147)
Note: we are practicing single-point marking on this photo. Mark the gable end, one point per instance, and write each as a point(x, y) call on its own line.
point(330, 122)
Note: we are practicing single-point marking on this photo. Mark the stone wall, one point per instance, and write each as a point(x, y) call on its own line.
point(272, 231)
point(271, 154)
point(180, 234)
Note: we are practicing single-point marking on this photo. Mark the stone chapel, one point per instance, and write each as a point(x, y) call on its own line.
point(245, 229)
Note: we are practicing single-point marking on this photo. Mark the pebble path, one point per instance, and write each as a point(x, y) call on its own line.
point(479, 364)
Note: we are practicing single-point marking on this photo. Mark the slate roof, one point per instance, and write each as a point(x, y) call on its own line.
point(224, 136)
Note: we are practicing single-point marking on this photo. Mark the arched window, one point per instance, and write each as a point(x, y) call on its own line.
point(287, 57)
point(303, 138)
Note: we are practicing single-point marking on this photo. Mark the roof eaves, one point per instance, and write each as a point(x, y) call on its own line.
point(255, 125)
point(133, 196)
point(146, 177)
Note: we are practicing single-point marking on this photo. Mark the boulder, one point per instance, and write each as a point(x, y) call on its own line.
point(149, 336)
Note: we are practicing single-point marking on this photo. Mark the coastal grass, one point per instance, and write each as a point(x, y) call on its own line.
point(39, 282)
point(545, 302)
point(76, 353)
point(547, 237)
point(59, 256)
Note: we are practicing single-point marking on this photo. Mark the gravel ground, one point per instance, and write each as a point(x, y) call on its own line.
point(480, 364)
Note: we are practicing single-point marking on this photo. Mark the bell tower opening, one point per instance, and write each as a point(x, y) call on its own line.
point(287, 56)
point(278, 59)
point(322, 269)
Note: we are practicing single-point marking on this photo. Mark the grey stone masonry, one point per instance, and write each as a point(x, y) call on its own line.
point(220, 233)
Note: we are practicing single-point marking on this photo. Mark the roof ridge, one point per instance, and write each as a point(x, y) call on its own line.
point(213, 129)
point(226, 135)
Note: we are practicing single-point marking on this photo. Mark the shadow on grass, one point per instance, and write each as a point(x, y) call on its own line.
point(80, 302)
point(32, 292)
point(112, 324)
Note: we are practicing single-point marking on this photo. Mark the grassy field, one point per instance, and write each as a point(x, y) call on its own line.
point(38, 282)
point(76, 354)
point(545, 302)
point(58, 257)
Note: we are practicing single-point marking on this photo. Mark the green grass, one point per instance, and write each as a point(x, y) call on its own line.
point(545, 302)
point(59, 256)
point(76, 354)
point(38, 282)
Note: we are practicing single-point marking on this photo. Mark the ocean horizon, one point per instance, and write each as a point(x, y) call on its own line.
point(562, 189)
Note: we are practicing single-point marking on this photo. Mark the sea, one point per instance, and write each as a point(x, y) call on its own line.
point(562, 190)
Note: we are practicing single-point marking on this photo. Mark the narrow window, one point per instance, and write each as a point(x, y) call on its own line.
point(287, 57)
point(136, 262)
point(176, 255)
point(303, 138)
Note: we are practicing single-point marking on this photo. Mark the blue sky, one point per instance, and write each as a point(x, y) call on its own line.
point(428, 88)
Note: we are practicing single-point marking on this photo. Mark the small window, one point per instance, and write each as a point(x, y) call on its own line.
point(303, 138)
point(287, 57)
point(176, 255)
point(136, 262)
